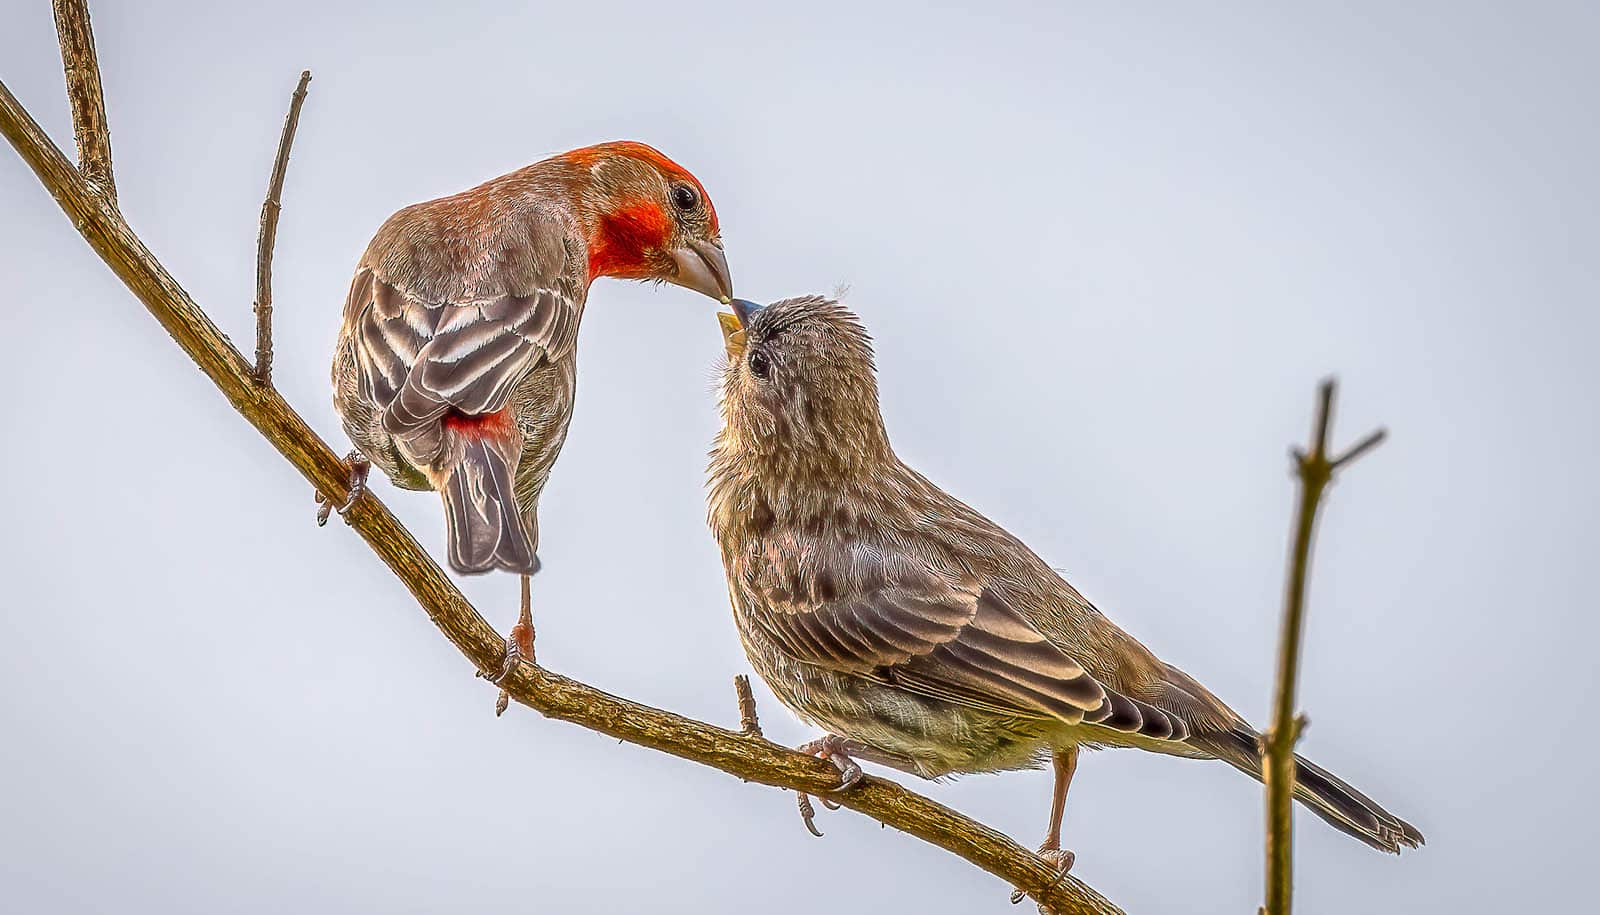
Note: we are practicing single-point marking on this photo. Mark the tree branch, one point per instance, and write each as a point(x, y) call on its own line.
point(270, 209)
point(749, 724)
point(1315, 471)
point(88, 101)
point(747, 757)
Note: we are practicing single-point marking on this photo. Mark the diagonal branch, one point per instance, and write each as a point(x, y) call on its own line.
point(85, 95)
point(1315, 470)
point(745, 756)
point(270, 209)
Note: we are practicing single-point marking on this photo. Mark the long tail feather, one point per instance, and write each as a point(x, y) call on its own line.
point(485, 529)
point(1323, 793)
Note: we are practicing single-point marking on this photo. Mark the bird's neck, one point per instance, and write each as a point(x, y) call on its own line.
point(623, 239)
point(623, 234)
point(757, 486)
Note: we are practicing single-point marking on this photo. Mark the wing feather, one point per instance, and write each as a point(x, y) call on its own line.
point(953, 641)
point(424, 355)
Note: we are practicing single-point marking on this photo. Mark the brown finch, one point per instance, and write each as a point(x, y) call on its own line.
point(915, 631)
point(457, 358)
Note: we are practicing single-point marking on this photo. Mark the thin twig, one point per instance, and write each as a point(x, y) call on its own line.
point(84, 93)
point(749, 724)
point(544, 691)
point(1315, 470)
point(1373, 440)
point(269, 234)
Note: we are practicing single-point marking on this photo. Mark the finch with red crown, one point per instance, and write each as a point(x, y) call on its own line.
point(457, 359)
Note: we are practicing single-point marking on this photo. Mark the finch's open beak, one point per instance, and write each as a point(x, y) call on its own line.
point(745, 310)
point(703, 268)
point(735, 325)
point(732, 335)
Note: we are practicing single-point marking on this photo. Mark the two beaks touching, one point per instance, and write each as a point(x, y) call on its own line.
point(922, 635)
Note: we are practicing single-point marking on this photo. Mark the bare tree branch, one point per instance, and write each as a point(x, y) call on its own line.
point(747, 757)
point(84, 93)
point(749, 724)
point(1373, 440)
point(270, 209)
point(1315, 470)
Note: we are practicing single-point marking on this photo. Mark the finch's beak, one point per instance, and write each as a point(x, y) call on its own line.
point(745, 310)
point(703, 268)
point(732, 335)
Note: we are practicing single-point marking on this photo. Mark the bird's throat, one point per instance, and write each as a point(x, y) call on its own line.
point(624, 240)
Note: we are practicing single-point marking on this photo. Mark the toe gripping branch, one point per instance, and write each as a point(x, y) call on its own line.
point(832, 748)
point(519, 644)
point(357, 484)
point(750, 726)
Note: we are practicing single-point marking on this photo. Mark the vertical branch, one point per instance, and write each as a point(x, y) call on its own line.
point(84, 92)
point(270, 209)
point(1315, 470)
point(749, 724)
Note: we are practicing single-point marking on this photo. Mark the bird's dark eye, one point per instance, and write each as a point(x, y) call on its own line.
point(685, 197)
point(760, 365)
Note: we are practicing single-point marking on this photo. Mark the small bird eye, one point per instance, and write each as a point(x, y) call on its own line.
point(760, 365)
point(685, 197)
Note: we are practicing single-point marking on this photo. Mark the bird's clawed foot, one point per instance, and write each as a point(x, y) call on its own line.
point(519, 644)
point(519, 647)
point(359, 468)
point(1053, 854)
point(808, 813)
point(1062, 858)
point(832, 748)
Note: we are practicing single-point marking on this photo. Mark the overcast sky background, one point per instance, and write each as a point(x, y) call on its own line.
point(1106, 253)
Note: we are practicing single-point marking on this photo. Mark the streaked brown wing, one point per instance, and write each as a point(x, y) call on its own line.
point(925, 635)
point(477, 353)
point(519, 302)
point(387, 337)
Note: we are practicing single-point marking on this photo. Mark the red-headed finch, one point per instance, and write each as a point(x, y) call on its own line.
point(457, 358)
point(915, 631)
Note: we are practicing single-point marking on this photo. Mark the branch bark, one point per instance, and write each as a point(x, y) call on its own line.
point(85, 95)
point(1315, 470)
point(746, 756)
point(749, 723)
point(270, 208)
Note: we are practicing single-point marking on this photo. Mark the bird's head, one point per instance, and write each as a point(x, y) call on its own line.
point(649, 219)
point(800, 384)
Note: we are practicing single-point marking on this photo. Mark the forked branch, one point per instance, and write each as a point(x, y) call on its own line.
point(85, 95)
point(1315, 470)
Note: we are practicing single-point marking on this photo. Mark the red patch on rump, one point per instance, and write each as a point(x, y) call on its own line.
point(484, 425)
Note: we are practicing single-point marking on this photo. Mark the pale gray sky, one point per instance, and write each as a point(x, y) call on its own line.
point(1106, 253)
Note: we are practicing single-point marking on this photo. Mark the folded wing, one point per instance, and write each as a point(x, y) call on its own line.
point(951, 640)
point(427, 348)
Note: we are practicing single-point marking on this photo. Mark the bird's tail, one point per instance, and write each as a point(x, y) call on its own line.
point(484, 527)
point(1329, 797)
